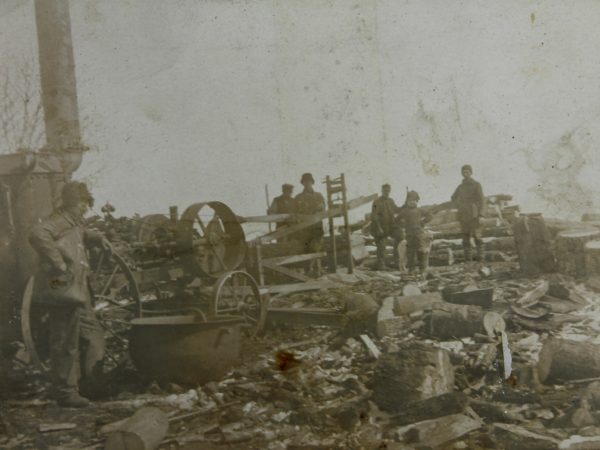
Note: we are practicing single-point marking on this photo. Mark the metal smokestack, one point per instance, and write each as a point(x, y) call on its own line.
point(57, 73)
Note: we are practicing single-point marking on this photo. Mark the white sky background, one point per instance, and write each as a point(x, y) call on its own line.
point(185, 101)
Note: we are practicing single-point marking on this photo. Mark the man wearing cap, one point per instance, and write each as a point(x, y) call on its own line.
point(76, 338)
point(383, 213)
point(410, 221)
point(469, 200)
point(310, 202)
point(283, 204)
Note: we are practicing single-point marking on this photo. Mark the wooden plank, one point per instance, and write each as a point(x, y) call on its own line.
point(49, 427)
point(292, 259)
point(313, 219)
point(306, 317)
point(299, 287)
point(266, 219)
point(284, 270)
point(373, 350)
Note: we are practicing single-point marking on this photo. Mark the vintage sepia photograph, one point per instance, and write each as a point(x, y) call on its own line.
point(284, 224)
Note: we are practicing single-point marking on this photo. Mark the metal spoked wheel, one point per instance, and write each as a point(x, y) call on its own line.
point(236, 293)
point(117, 302)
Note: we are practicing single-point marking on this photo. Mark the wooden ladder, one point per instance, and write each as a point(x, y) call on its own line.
point(336, 197)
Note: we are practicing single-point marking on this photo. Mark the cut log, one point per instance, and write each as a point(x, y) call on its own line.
point(145, 430)
point(435, 432)
point(570, 250)
point(432, 408)
point(533, 243)
point(409, 304)
point(411, 375)
point(534, 295)
point(461, 295)
point(562, 359)
point(448, 321)
point(592, 257)
point(515, 437)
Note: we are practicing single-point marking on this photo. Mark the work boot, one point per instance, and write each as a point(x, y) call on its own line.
point(480, 255)
point(73, 400)
point(468, 255)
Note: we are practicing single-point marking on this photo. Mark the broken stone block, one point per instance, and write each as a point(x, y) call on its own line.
point(388, 324)
point(411, 375)
point(514, 437)
point(431, 408)
point(561, 359)
point(435, 432)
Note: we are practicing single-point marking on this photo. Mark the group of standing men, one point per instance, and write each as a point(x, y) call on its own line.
point(405, 225)
point(307, 202)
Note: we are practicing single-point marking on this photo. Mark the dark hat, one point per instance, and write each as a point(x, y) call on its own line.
point(413, 195)
point(307, 177)
point(466, 167)
point(286, 186)
point(108, 208)
point(74, 192)
point(386, 185)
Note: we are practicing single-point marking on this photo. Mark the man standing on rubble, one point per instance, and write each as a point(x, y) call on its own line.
point(309, 202)
point(76, 338)
point(469, 200)
point(383, 225)
point(283, 204)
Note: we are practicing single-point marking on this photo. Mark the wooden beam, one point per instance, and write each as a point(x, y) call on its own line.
point(373, 350)
point(306, 317)
point(284, 270)
point(292, 259)
point(266, 219)
point(313, 219)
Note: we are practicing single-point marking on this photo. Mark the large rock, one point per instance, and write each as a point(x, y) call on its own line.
point(411, 375)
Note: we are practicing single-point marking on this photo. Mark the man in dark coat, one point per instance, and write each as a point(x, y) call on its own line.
point(283, 204)
point(76, 337)
point(469, 200)
point(383, 225)
point(410, 221)
point(310, 202)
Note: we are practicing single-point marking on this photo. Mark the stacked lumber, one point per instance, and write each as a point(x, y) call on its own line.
point(592, 257)
point(570, 250)
point(498, 215)
point(534, 245)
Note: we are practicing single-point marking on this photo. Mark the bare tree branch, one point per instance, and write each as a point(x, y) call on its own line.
point(21, 113)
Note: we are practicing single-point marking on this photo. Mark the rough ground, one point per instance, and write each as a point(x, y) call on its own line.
point(312, 387)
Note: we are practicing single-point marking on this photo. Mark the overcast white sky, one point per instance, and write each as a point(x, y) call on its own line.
point(190, 100)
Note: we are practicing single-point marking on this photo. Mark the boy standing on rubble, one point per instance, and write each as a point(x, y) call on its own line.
point(470, 203)
point(411, 220)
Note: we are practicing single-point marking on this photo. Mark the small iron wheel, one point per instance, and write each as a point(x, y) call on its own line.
point(236, 293)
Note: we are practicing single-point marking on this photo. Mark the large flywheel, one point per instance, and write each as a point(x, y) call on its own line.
point(210, 239)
